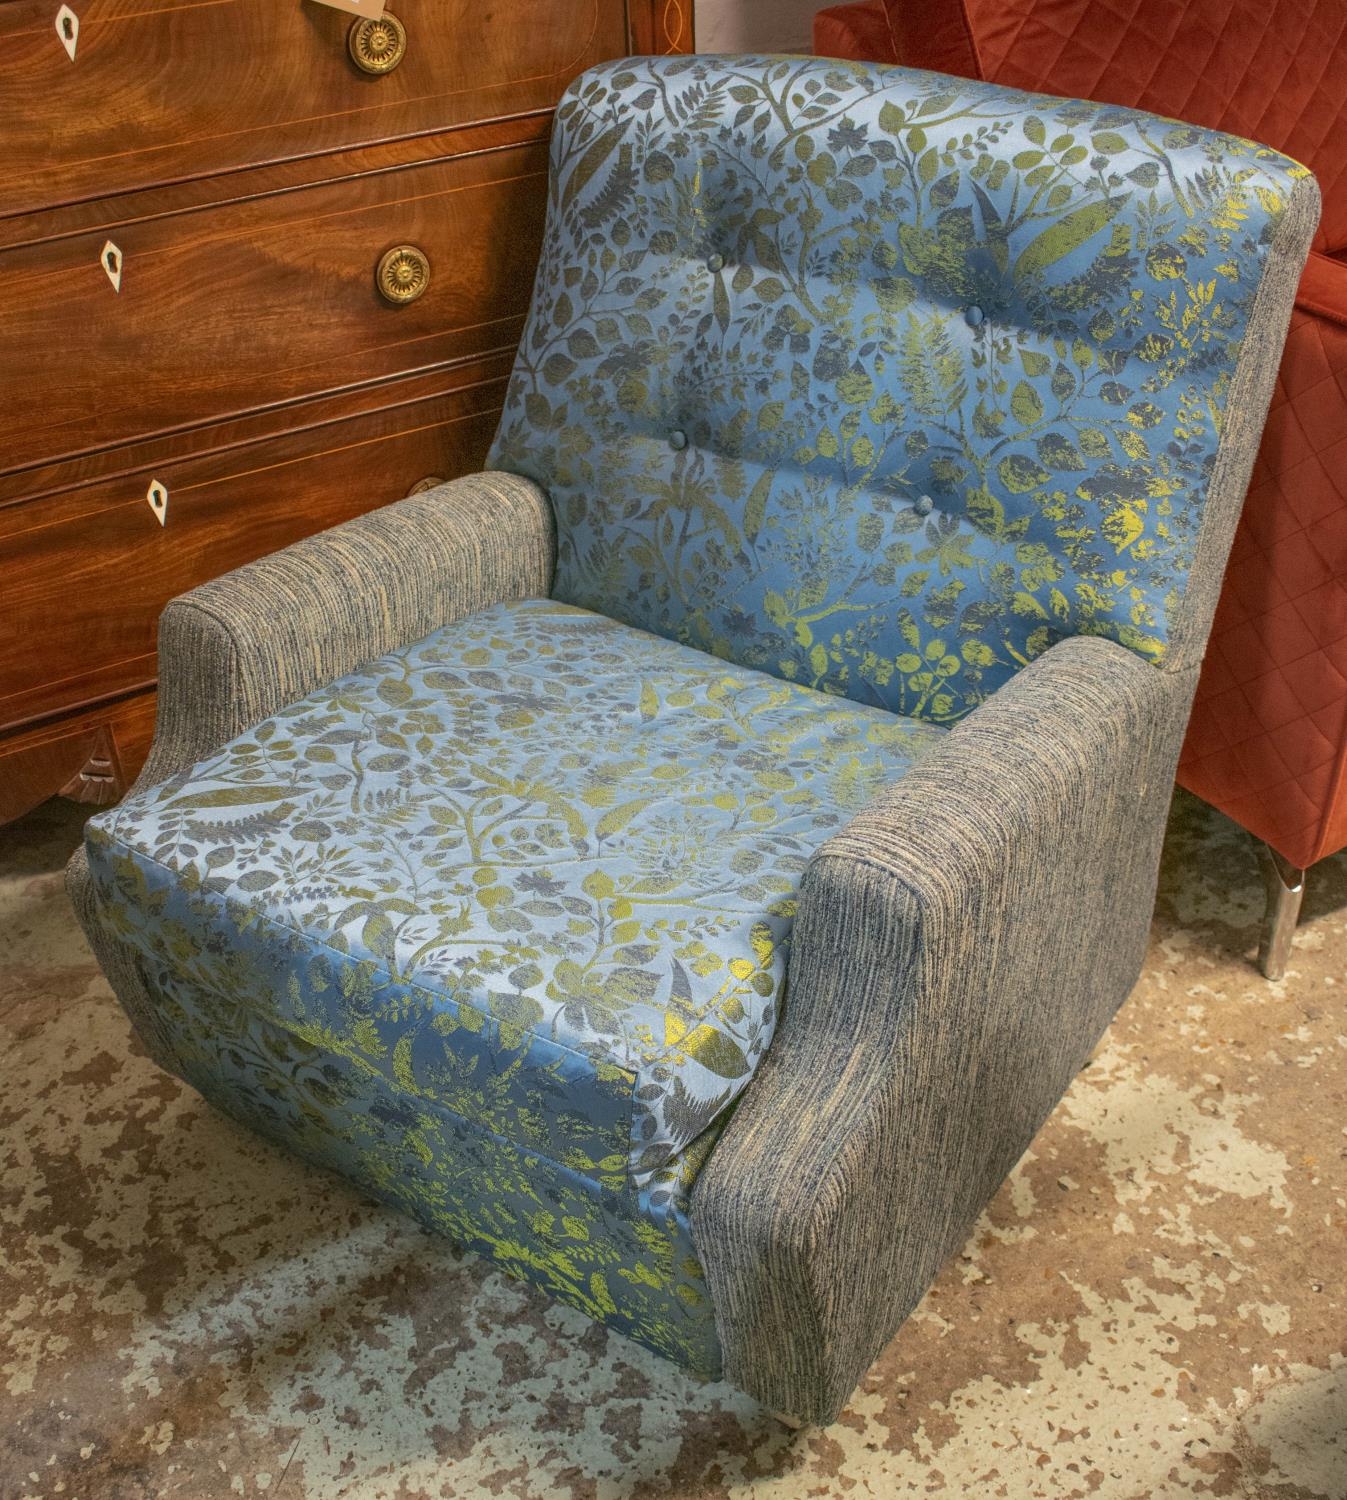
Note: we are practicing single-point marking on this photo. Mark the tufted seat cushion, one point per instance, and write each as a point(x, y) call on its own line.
point(539, 868)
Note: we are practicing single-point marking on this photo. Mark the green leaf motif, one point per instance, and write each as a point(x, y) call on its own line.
point(557, 368)
point(378, 935)
point(855, 388)
point(590, 162)
point(892, 120)
point(1166, 263)
point(755, 507)
point(1067, 235)
point(720, 302)
point(716, 1052)
point(230, 796)
point(615, 821)
point(1026, 405)
point(1021, 474)
point(1123, 526)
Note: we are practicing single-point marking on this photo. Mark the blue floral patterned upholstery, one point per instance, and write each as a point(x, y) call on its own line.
point(527, 883)
point(583, 1238)
point(877, 380)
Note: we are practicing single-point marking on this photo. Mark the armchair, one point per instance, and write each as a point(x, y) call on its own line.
point(1267, 740)
point(831, 607)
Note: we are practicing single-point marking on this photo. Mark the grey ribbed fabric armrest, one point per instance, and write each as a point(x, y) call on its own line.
point(959, 947)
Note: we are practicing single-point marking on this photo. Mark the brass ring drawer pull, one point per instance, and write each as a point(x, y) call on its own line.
point(376, 44)
point(403, 274)
point(430, 482)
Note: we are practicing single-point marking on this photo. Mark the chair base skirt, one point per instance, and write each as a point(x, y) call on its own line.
point(579, 1240)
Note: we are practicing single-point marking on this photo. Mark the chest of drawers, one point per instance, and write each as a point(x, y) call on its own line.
point(253, 281)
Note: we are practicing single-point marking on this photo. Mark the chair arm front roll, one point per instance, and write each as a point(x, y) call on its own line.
point(244, 645)
point(959, 948)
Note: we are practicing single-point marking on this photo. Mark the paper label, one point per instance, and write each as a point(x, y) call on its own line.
point(370, 9)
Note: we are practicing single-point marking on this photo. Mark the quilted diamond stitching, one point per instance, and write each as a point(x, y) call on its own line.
point(859, 31)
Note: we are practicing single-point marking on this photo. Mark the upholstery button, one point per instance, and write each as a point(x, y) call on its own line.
point(923, 505)
point(678, 439)
point(974, 316)
point(715, 263)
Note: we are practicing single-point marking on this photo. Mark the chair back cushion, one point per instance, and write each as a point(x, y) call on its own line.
point(878, 380)
point(1269, 69)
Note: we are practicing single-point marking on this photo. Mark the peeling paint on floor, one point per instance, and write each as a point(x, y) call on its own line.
point(1154, 1305)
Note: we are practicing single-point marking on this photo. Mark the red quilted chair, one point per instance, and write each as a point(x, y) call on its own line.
point(1268, 739)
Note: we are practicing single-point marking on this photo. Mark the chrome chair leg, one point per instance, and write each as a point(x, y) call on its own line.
point(1285, 886)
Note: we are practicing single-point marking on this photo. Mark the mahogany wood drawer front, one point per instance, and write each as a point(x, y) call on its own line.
point(86, 574)
point(245, 305)
point(155, 92)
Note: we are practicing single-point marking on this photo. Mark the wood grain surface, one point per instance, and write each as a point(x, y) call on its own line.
point(229, 309)
point(165, 90)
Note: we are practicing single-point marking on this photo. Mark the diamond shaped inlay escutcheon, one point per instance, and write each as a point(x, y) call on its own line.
point(68, 29)
point(156, 497)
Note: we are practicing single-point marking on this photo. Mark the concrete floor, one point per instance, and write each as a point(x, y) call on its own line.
point(1154, 1305)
